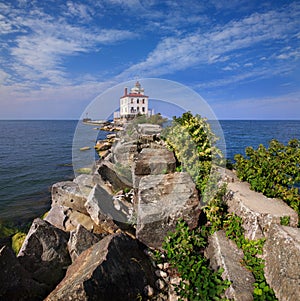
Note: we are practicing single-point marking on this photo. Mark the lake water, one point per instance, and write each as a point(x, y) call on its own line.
point(36, 154)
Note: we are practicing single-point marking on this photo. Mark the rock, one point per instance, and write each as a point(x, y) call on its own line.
point(80, 240)
point(282, 262)
point(256, 210)
point(68, 194)
point(85, 183)
point(154, 161)
point(101, 208)
point(113, 269)
point(103, 145)
point(160, 273)
point(68, 219)
point(148, 291)
point(44, 253)
point(160, 284)
point(149, 129)
point(162, 201)
point(223, 253)
point(16, 282)
point(116, 175)
point(111, 136)
point(174, 281)
point(123, 152)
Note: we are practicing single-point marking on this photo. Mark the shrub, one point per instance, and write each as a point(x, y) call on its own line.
point(193, 143)
point(274, 171)
point(184, 251)
point(252, 260)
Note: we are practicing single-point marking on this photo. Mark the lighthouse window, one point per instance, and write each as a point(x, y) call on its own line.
point(132, 109)
point(137, 101)
point(143, 109)
point(131, 100)
point(138, 109)
point(143, 101)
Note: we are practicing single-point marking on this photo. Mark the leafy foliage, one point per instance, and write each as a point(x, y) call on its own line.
point(252, 260)
point(17, 241)
point(284, 220)
point(216, 211)
point(274, 171)
point(184, 251)
point(153, 119)
point(193, 142)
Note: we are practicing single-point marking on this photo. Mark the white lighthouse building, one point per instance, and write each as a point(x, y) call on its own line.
point(133, 103)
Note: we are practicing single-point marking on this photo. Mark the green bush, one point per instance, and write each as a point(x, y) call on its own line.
point(184, 251)
point(193, 143)
point(274, 171)
point(252, 260)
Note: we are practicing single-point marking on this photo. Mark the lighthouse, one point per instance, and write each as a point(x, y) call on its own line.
point(133, 103)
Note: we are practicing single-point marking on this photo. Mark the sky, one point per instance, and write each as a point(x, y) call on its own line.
point(241, 56)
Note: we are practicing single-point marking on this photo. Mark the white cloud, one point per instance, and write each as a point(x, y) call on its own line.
point(3, 77)
point(289, 55)
point(255, 74)
point(42, 42)
point(80, 10)
point(179, 53)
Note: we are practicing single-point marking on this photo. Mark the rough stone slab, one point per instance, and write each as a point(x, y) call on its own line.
point(115, 269)
point(68, 219)
point(162, 201)
point(223, 253)
point(68, 194)
point(256, 210)
point(149, 129)
point(154, 161)
point(101, 208)
point(44, 253)
point(80, 240)
point(123, 152)
point(282, 262)
point(15, 282)
point(118, 176)
point(85, 183)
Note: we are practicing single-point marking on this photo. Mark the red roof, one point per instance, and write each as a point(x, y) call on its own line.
point(134, 95)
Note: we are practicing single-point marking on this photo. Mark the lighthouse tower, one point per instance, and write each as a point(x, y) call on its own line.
point(135, 102)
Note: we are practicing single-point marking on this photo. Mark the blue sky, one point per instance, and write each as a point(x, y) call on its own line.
point(242, 57)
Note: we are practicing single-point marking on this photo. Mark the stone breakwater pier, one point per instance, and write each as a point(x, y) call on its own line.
point(96, 241)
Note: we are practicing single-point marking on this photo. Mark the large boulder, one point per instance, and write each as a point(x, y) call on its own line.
point(70, 195)
point(154, 161)
point(118, 176)
point(100, 207)
point(149, 129)
point(115, 268)
point(282, 262)
point(162, 201)
point(44, 253)
point(68, 219)
point(124, 151)
point(223, 253)
point(85, 183)
point(80, 240)
point(257, 211)
point(15, 282)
